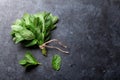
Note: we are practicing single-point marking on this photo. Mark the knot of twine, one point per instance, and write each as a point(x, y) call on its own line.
point(53, 40)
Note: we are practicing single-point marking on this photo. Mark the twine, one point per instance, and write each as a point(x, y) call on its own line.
point(53, 40)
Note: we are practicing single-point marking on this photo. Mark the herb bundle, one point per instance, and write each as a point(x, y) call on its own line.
point(34, 29)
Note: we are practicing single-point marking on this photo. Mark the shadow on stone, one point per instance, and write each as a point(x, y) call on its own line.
point(22, 44)
point(30, 68)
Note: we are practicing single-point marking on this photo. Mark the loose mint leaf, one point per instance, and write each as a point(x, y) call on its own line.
point(22, 62)
point(56, 62)
point(28, 60)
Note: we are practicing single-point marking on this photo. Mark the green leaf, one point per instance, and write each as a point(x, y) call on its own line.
point(36, 21)
point(55, 19)
point(56, 62)
point(26, 34)
point(28, 60)
point(26, 17)
point(18, 22)
point(16, 28)
point(33, 42)
point(22, 62)
point(18, 38)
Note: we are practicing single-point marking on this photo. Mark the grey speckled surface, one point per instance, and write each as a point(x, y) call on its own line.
point(90, 28)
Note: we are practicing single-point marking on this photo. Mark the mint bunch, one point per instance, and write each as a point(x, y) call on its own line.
point(34, 29)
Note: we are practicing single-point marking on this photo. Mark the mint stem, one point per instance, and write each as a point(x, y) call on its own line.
point(44, 51)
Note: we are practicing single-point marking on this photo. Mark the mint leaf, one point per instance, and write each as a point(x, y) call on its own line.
point(26, 18)
point(16, 28)
point(28, 60)
point(56, 62)
point(18, 22)
point(22, 62)
point(18, 38)
point(26, 34)
point(33, 42)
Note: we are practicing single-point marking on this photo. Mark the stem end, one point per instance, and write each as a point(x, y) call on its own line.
point(44, 51)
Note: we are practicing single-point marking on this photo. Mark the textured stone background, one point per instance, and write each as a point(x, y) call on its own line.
point(90, 28)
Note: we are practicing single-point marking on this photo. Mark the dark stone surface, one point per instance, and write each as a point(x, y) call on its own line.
point(90, 28)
